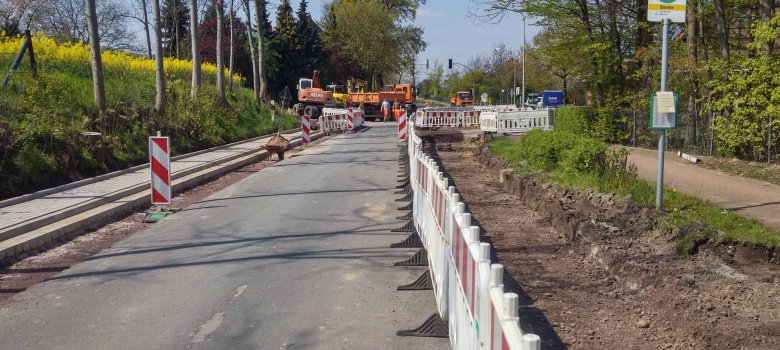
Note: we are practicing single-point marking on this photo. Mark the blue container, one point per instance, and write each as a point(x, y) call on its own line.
point(552, 98)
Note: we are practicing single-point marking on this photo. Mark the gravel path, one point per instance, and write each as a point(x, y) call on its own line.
point(752, 198)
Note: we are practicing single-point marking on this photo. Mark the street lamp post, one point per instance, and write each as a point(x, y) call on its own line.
point(522, 97)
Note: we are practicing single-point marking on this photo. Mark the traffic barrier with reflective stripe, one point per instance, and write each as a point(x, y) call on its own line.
point(402, 127)
point(306, 129)
point(160, 166)
point(469, 290)
point(469, 118)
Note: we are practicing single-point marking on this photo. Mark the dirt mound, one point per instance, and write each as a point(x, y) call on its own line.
point(594, 271)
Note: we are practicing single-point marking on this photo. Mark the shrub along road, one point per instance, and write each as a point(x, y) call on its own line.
point(752, 198)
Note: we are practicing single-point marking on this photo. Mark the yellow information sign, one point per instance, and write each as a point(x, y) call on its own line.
point(659, 10)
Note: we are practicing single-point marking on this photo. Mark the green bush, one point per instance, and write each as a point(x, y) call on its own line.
point(587, 155)
point(559, 150)
point(599, 123)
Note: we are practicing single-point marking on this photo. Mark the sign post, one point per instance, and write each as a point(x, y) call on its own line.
point(665, 11)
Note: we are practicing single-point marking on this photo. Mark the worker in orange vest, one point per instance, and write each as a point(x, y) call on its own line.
point(385, 108)
point(397, 110)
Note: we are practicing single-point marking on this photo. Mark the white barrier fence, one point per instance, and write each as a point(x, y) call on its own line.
point(514, 122)
point(506, 118)
point(469, 290)
point(337, 119)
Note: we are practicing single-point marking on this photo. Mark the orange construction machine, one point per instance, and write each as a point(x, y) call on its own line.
point(312, 98)
point(463, 99)
point(371, 102)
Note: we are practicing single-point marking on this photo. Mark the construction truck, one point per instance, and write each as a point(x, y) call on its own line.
point(311, 98)
point(340, 94)
point(463, 98)
point(371, 102)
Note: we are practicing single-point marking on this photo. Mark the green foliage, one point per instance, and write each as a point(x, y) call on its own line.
point(556, 150)
point(599, 123)
point(749, 103)
point(614, 175)
point(41, 141)
point(372, 36)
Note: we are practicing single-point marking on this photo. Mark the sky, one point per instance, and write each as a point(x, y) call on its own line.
point(448, 30)
point(451, 33)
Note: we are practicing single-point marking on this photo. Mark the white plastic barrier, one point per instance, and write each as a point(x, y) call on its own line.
point(469, 290)
point(429, 119)
point(334, 119)
point(469, 118)
point(355, 118)
point(514, 122)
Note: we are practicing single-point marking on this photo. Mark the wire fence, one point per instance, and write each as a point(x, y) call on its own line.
point(637, 126)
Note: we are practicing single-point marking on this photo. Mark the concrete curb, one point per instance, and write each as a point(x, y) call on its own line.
point(129, 201)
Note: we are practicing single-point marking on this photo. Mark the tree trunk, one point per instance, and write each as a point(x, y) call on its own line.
point(159, 101)
point(146, 30)
point(219, 5)
point(97, 60)
point(230, 64)
point(255, 80)
point(263, 85)
point(693, 62)
point(176, 22)
point(723, 35)
point(196, 73)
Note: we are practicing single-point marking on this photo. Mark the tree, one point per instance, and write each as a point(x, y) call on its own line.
point(196, 61)
point(262, 19)
point(159, 101)
point(66, 21)
point(176, 18)
point(310, 39)
point(97, 60)
point(255, 76)
point(284, 66)
point(220, 8)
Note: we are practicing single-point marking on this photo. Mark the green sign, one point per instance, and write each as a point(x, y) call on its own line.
point(663, 115)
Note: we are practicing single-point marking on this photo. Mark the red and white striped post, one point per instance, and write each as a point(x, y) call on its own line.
point(306, 129)
point(402, 127)
point(160, 164)
point(350, 119)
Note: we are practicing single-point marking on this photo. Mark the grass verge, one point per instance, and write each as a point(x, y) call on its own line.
point(680, 209)
point(759, 171)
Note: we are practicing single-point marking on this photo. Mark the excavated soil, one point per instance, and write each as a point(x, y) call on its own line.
point(607, 287)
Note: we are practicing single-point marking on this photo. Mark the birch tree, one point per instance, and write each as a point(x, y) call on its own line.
point(196, 73)
point(97, 60)
point(159, 101)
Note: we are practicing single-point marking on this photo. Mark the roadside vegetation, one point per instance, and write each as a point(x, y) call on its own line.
point(51, 134)
point(571, 159)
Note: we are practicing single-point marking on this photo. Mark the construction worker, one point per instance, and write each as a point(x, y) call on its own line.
point(385, 109)
point(396, 110)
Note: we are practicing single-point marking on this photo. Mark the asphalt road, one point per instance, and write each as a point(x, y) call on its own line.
point(293, 257)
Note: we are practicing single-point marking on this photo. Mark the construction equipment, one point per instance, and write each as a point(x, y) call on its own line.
point(312, 98)
point(463, 98)
point(371, 102)
point(340, 94)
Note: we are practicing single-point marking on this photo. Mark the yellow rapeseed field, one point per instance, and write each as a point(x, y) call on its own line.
point(47, 51)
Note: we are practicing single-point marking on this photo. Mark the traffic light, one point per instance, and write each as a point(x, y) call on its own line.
point(450, 63)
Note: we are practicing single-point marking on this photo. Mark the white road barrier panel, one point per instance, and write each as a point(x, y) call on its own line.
point(306, 129)
point(160, 169)
point(469, 118)
point(514, 122)
point(469, 289)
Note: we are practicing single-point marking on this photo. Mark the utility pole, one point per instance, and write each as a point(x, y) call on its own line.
point(522, 98)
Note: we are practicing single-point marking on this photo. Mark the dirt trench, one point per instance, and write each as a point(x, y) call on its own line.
point(611, 280)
